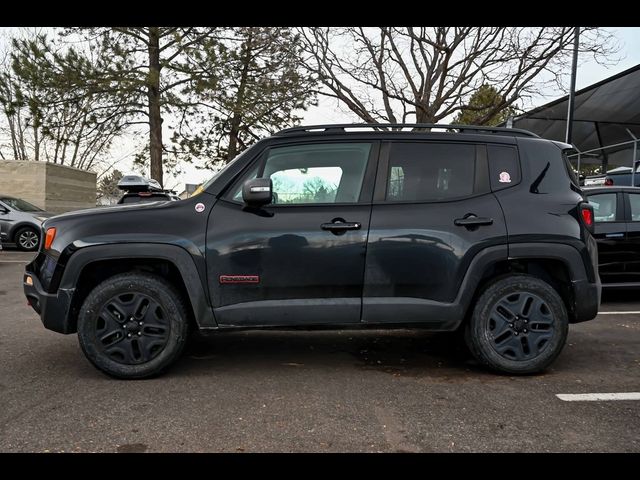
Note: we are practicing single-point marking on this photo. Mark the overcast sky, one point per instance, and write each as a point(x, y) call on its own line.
point(589, 72)
point(329, 111)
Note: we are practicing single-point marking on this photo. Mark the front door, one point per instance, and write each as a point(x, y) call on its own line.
point(299, 260)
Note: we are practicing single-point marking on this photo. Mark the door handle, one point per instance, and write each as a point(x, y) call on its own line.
point(341, 226)
point(470, 220)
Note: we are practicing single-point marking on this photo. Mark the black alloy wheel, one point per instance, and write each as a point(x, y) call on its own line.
point(133, 325)
point(519, 325)
point(132, 328)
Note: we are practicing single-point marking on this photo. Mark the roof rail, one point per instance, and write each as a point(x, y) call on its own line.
point(342, 128)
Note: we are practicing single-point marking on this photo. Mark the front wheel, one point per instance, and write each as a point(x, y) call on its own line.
point(519, 325)
point(133, 325)
point(27, 239)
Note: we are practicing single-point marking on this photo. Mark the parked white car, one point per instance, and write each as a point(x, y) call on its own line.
point(20, 223)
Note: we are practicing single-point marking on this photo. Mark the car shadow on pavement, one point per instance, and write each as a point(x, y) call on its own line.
point(396, 352)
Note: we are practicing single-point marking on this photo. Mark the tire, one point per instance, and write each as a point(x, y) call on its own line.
point(152, 335)
point(519, 325)
point(27, 239)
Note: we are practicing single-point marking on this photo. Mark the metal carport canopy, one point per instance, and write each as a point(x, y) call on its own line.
point(603, 112)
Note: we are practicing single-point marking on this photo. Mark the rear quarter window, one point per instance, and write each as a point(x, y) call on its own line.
point(504, 166)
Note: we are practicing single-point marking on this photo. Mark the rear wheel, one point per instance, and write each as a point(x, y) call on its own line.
point(133, 326)
point(519, 325)
point(27, 239)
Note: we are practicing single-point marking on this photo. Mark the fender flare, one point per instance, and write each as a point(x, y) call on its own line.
point(583, 307)
point(178, 256)
point(567, 254)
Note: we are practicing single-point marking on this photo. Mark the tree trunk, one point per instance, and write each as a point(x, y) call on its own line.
point(153, 94)
point(237, 108)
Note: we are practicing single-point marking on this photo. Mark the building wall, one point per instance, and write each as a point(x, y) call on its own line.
point(55, 188)
point(69, 189)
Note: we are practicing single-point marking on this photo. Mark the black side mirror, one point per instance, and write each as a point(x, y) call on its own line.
point(257, 192)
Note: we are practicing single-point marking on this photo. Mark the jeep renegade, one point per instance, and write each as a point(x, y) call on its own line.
point(476, 228)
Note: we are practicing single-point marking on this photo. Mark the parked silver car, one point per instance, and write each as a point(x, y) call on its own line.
point(20, 223)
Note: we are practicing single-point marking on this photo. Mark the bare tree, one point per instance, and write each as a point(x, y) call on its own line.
point(424, 74)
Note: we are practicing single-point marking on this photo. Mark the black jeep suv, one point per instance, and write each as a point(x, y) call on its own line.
point(475, 228)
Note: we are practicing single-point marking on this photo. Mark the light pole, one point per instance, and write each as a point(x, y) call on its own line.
point(572, 91)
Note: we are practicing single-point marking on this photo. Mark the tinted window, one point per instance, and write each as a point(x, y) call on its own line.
point(430, 171)
point(634, 201)
point(504, 166)
point(604, 206)
point(322, 173)
point(545, 164)
point(20, 204)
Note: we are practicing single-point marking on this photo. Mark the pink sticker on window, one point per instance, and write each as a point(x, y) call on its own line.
point(505, 177)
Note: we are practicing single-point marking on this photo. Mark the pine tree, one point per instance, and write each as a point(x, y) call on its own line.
point(481, 108)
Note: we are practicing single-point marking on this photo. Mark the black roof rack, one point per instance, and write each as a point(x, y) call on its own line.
point(342, 128)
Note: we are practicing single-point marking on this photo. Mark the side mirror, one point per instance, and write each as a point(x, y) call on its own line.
point(257, 192)
point(3, 210)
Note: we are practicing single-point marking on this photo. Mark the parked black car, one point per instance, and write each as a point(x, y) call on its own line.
point(478, 228)
point(617, 230)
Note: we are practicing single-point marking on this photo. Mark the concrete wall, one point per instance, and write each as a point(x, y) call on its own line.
point(53, 187)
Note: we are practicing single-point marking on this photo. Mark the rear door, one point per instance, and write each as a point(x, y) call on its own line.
point(433, 211)
point(610, 232)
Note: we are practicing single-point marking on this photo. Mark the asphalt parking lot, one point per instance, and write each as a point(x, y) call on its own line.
point(322, 391)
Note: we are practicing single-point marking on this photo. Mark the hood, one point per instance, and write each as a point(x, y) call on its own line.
point(110, 209)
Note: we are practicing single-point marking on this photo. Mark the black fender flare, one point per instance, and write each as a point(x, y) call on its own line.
point(585, 286)
point(195, 285)
point(586, 292)
point(567, 254)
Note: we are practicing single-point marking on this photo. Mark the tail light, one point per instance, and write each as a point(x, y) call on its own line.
point(586, 214)
point(608, 181)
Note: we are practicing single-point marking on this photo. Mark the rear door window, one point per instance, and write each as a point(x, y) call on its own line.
point(431, 171)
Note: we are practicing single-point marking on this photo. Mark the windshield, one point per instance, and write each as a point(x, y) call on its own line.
point(20, 205)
